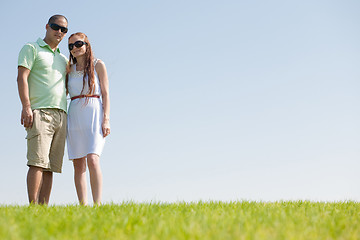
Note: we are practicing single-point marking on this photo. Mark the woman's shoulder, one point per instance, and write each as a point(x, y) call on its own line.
point(99, 65)
point(98, 61)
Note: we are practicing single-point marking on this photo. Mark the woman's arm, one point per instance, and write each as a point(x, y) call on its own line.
point(104, 85)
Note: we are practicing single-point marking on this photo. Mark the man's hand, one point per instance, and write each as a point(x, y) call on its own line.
point(27, 117)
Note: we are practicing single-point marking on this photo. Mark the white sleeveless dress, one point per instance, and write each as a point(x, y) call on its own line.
point(84, 132)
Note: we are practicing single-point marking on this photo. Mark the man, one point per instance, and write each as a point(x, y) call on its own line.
point(41, 85)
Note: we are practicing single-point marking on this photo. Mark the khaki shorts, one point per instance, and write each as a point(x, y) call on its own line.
point(46, 139)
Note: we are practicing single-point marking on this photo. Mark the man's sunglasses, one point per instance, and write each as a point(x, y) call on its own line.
point(77, 44)
point(56, 27)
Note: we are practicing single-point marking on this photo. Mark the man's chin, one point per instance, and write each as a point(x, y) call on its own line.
point(57, 39)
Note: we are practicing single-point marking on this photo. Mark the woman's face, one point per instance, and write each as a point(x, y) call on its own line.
point(74, 43)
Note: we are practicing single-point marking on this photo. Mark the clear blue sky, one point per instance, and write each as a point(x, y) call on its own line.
point(210, 100)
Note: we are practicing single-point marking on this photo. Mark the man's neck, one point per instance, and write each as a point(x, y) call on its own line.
point(52, 45)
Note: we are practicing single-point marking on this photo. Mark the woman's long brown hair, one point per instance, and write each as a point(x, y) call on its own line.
point(88, 68)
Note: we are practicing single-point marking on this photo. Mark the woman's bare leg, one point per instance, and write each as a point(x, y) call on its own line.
point(80, 179)
point(93, 162)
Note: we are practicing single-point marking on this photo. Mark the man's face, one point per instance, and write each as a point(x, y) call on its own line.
point(56, 30)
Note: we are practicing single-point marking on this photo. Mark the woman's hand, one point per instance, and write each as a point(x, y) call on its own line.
point(106, 127)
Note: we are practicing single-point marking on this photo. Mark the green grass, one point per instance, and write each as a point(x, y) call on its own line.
point(201, 220)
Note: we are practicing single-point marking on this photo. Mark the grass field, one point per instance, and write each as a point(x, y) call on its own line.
point(200, 220)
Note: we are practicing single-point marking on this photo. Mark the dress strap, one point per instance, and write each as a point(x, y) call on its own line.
point(95, 61)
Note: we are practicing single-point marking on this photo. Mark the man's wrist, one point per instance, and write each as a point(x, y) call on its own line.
point(26, 106)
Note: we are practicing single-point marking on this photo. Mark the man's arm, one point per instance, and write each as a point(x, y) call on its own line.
point(23, 87)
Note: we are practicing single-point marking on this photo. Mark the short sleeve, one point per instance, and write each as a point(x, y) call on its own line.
point(27, 56)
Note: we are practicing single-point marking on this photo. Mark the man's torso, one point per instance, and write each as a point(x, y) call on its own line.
point(47, 75)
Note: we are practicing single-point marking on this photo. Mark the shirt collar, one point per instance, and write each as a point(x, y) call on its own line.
point(42, 43)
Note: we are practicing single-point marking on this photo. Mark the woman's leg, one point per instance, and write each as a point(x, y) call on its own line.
point(80, 179)
point(93, 162)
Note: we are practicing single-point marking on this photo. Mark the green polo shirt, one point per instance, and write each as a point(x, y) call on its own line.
point(47, 75)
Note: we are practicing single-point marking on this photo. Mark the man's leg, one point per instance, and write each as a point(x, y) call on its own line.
point(38, 145)
point(45, 189)
point(34, 178)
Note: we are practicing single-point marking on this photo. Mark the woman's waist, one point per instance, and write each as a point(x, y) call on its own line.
point(84, 96)
point(86, 101)
point(80, 104)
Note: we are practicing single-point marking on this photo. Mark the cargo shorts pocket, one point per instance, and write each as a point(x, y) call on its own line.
point(34, 130)
point(31, 136)
point(31, 133)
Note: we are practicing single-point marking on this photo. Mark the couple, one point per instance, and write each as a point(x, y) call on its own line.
point(45, 77)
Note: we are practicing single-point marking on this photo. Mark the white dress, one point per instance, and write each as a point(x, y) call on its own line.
point(84, 132)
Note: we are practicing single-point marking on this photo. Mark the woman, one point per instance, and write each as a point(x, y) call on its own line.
point(88, 116)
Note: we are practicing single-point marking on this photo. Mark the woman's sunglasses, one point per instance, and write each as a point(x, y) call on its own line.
point(56, 27)
point(77, 44)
